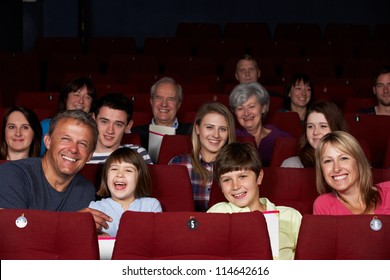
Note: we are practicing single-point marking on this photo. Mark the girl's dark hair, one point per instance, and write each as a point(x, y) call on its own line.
point(144, 183)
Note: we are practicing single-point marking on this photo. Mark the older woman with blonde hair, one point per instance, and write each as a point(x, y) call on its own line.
point(213, 129)
point(344, 179)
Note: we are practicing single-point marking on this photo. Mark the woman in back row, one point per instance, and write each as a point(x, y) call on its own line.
point(77, 94)
point(299, 95)
point(322, 118)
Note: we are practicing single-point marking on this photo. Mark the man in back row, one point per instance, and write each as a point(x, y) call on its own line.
point(165, 99)
point(247, 70)
point(381, 90)
point(52, 182)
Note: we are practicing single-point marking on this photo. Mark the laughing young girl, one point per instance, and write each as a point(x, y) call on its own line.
point(126, 185)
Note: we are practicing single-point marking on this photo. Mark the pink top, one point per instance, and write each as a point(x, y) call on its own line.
point(329, 204)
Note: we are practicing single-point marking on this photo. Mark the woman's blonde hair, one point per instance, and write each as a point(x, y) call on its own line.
point(348, 144)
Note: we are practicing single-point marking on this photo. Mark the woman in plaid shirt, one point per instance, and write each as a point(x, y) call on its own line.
point(213, 128)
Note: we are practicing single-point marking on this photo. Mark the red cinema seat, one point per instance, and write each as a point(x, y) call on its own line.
point(161, 48)
point(372, 129)
point(356, 104)
point(386, 161)
point(47, 235)
point(19, 71)
point(105, 47)
point(216, 194)
point(192, 236)
point(294, 31)
point(346, 32)
point(293, 187)
point(348, 237)
point(174, 145)
point(196, 32)
point(172, 187)
point(244, 31)
point(287, 121)
point(45, 47)
point(142, 118)
point(93, 172)
point(44, 104)
point(60, 64)
point(131, 138)
point(380, 175)
point(284, 148)
point(124, 66)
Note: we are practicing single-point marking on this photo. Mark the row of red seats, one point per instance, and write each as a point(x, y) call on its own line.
point(350, 96)
point(53, 58)
point(196, 33)
point(320, 237)
point(24, 72)
point(190, 235)
point(283, 31)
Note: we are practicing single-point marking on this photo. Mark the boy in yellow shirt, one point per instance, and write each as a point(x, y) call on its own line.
point(239, 172)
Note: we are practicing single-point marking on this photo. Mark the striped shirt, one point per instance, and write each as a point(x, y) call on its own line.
point(102, 157)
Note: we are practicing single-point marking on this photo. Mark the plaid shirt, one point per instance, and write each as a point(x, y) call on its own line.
point(200, 190)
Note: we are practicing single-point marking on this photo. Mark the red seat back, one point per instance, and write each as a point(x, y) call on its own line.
point(374, 129)
point(93, 172)
point(348, 237)
point(174, 145)
point(386, 161)
point(192, 235)
point(287, 121)
point(380, 175)
point(284, 148)
point(131, 138)
point(48, 235)
point(293, 187)
point(172, 187)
